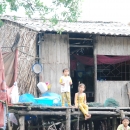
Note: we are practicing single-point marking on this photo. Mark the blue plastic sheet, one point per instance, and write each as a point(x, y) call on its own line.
point(47, 99)
point(27, 98)
point(51, 94)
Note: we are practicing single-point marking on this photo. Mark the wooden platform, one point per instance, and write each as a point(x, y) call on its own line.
point(67, 115)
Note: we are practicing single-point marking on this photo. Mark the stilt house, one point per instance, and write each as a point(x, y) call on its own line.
point(97, 54)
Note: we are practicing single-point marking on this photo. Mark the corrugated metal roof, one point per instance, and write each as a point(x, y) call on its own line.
point(90, 27)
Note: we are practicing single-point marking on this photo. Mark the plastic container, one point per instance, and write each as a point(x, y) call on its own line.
point(42, 87)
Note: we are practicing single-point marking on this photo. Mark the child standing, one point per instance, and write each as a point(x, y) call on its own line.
point(80, 101)
point(65, 82)
point(124, 125)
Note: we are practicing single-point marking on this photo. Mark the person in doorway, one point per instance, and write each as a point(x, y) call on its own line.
point(124, 125)
point(80, 101)
point(65, 82)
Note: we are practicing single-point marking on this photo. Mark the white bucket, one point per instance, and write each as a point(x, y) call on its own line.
point(42, 87)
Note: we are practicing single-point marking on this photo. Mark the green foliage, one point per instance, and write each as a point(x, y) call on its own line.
point(68, 9)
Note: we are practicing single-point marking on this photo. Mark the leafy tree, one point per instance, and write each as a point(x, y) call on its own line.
point(68, 10)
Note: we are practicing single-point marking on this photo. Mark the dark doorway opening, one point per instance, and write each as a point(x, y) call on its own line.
point(81, 45)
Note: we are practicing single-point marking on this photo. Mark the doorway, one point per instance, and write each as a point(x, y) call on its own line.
point(82, 71)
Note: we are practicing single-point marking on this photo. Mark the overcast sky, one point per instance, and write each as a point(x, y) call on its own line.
point(101, 10)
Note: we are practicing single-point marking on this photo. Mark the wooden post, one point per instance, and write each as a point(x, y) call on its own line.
point(21, 123)
point(122, 114)
point(95, 72)
point(91, 125)
point(128, 91)
point(68, 119)
point(108, 123)
point(114, 123)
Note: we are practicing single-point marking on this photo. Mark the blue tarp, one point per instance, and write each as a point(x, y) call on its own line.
point(47, 99)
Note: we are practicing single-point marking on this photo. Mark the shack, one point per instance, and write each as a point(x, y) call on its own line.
point(97, 54)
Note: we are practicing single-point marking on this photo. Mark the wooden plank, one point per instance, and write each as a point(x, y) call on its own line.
point(125, 100)
point(58, 51)
point(95, 72)
point(112, 89)
point(44, 50)
point(53, 81)
point(128, 43)
point(128, 91)
point(59, 74)
point(64, 46)
point(108, 45)
point(53, 48)
point(112, 46)
point(125, 45)
point(85, 39)
point(80, 45)
point(54, 58)
point(61, 49)
point(50, 48)
point(22, 123)
point(118, 92)
point(68, 51)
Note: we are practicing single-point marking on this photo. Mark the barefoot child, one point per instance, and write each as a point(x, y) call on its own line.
point(124, 125)
point(80, 101)
point(65, 82)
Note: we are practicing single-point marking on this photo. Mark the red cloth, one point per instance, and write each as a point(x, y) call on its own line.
point(101, 59)
point(4, 90)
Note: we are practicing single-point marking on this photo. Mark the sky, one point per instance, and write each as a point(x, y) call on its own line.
point(99, 10)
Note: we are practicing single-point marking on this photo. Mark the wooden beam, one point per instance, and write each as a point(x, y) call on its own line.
point(68, 119)
point(72, 113)
point(95, 73)
point(97, 113)
point(22, 123)
point(64, 108)
point(80, 45)
point(84, 39)
point(41, 113)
